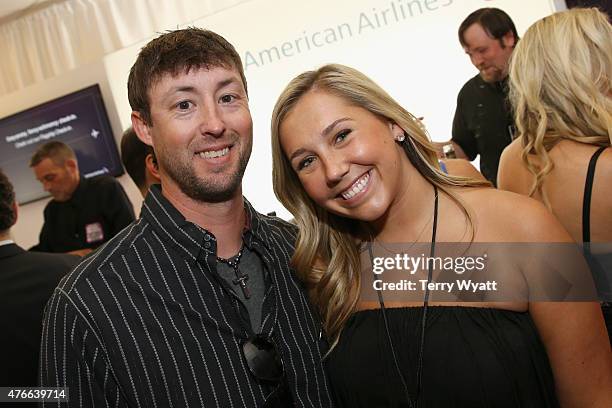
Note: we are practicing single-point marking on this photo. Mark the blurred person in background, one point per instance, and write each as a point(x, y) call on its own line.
point(139, 161)
point(84, 213)
point(483, 120)
point(561, 90)
point(27, 280)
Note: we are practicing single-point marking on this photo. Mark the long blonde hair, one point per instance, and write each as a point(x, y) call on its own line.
point(560, 86)
point(327, 250)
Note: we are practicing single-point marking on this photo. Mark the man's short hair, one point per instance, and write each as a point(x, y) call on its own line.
point(176, 52)
point(133, 155)
point(58, 152)
point(494, 21)
point(7, 199)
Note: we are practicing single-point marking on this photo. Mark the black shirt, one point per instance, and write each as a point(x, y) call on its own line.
point(473, 357)
point(483, 123)
point(98, 209)
point(146, 321)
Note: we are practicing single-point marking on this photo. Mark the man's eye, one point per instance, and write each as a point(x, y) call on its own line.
point(183, 105)
point(227, 98)
point(305, 163)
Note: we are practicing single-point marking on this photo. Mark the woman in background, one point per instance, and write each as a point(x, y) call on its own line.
point(561, 90)
point(354, 167)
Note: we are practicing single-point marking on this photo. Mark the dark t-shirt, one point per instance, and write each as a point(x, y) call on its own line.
point(96, 212)
point(483, 123)
point(251, 266)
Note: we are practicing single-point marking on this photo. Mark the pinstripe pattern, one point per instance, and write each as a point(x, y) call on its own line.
point(146, 322)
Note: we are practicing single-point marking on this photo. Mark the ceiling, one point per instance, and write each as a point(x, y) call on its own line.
point(8, 7)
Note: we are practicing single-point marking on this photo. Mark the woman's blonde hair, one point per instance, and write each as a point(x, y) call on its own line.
point(327, 248)
point(560, 85)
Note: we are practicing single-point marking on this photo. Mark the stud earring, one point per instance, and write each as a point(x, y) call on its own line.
point(400, 138)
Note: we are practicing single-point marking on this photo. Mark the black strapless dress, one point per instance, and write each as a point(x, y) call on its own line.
point(473, 357)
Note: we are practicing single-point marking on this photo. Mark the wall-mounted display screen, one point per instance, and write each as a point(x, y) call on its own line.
point(78, 119)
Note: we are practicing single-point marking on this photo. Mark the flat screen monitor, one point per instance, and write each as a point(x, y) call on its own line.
point(78, 119)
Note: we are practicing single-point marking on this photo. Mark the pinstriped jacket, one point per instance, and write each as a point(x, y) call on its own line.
point(145, 321)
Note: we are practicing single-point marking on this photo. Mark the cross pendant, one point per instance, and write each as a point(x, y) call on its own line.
point(242, 280)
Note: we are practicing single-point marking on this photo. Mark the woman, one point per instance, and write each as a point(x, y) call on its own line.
point(561, 89)
point(355, 167)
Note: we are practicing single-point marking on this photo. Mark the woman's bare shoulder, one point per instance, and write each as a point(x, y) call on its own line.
point(604, 166)
point(505, 216)
point(513, 174)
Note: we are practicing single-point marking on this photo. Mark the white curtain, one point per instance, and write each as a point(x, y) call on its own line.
point(59, 36)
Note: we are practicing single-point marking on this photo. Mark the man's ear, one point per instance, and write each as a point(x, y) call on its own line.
point(152, 168)
point(141, 128)
point(509, 40)
point(71, 165)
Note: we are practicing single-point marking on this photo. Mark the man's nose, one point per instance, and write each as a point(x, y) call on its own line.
point(212, 121)
point(477, 60)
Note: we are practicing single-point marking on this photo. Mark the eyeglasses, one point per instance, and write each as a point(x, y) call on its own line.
point(265, 364)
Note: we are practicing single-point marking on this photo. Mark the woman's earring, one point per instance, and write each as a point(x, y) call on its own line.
point(400, 138)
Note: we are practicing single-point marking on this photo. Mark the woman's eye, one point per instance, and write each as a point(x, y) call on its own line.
point(342, 135)
point(305, 163)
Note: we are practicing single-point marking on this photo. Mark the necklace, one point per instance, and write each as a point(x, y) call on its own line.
point(380, 243)
point(241, 279)
point(412, 403)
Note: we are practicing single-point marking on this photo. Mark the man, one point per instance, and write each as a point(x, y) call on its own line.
point(483, 122)
point(84, 213)
point(139, 161)
point(27, 280)
point(195, 304)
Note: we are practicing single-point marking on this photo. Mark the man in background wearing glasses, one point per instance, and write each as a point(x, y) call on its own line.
point(194, 304)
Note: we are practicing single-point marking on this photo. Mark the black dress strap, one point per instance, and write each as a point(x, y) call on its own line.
point(586, 200)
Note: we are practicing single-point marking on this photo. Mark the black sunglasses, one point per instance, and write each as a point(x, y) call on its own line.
point(265, 364)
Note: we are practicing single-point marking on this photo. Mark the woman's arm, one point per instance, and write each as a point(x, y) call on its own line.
point(573, 333)
point(579, 351)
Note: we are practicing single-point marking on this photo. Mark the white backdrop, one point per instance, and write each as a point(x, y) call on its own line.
point(409, 47)
point(416, 58)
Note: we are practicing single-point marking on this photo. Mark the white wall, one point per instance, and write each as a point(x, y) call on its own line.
point(417, 59)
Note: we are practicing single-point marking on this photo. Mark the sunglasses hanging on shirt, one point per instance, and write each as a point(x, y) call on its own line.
point(265, 364)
